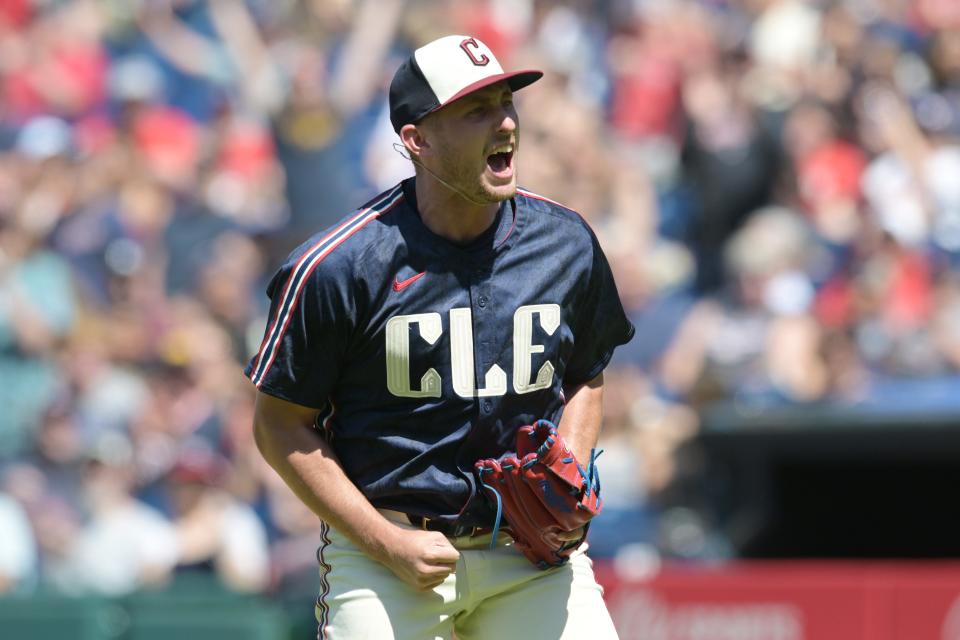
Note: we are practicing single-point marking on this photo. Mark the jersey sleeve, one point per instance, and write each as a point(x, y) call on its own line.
point(602, 324)
point(306, 335)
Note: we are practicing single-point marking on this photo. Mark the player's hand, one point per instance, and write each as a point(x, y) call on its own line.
point(422, 559)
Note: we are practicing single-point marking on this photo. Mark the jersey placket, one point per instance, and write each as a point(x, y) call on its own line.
point(489, 385)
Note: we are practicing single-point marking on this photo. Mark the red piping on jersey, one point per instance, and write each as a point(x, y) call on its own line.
point(516, 213)
point(536, 196)
point(286, 285)
point(303, 278)
point(326, 421)
point(324, 582)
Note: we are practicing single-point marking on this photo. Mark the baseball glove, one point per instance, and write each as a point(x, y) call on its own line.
point(541, 492)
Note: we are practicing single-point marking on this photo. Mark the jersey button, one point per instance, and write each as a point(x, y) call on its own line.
point(482, 301)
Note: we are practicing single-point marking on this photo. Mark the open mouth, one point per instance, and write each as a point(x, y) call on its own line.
point(501, 163)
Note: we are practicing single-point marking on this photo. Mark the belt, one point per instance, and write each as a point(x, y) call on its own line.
point(449, 529)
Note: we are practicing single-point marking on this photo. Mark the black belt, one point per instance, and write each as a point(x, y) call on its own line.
point(449, 529)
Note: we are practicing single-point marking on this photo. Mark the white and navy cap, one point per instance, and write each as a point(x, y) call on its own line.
point(443, 71)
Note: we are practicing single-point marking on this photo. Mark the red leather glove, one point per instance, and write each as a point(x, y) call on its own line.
point(541, 492)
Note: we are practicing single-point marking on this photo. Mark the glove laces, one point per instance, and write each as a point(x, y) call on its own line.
point(496, 522)
point(591, 476)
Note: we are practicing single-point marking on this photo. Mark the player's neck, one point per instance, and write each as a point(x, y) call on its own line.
point(450, 215)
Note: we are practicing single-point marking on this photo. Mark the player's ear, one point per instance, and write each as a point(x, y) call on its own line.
point(414, 139)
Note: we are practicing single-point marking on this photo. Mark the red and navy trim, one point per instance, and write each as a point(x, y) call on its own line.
point(324, 419)
point(323, 609)
point(516, 214)
point(537, 196)
point(301, 273)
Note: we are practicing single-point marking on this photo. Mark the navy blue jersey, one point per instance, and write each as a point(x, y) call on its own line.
point(423, 356)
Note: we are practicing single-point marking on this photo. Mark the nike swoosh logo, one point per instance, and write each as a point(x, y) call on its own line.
point(400, 285)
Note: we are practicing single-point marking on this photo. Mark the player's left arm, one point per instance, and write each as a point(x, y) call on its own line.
point(580, 427)
point(582, 415)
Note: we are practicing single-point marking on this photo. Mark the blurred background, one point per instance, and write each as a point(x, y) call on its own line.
point(775, 182)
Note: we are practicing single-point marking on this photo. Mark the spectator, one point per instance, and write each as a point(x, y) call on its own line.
point(730, 162)
point(18, 548)
point(216, 533)
point(124, 545)
point(37, 304)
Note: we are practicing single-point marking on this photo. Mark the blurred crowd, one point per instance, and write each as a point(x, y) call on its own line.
point(776, 183)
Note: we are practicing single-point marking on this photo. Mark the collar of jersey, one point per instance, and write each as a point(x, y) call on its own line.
point(498, 237)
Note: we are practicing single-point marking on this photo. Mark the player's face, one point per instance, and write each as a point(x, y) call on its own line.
point(476, 143)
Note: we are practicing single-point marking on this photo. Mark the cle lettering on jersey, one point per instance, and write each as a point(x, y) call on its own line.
point(461, 354)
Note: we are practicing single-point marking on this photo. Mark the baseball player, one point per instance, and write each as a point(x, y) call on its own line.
point(419, 336)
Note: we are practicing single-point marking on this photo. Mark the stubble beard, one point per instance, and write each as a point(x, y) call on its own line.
point(476, 186)
point(497, 194)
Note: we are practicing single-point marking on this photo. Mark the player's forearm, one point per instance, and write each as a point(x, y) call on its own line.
point(582, 417)
point(311, 469)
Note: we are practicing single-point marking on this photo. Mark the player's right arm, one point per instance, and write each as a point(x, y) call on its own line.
point(307, 463)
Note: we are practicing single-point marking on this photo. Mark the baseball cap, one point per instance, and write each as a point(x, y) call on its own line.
point(443, 71)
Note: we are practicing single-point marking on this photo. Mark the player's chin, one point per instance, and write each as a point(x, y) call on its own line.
point(500, 190)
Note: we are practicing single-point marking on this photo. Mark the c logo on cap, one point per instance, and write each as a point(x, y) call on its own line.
point(471, 42)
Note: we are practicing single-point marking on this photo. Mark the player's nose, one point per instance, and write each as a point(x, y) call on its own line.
point(507, 120)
